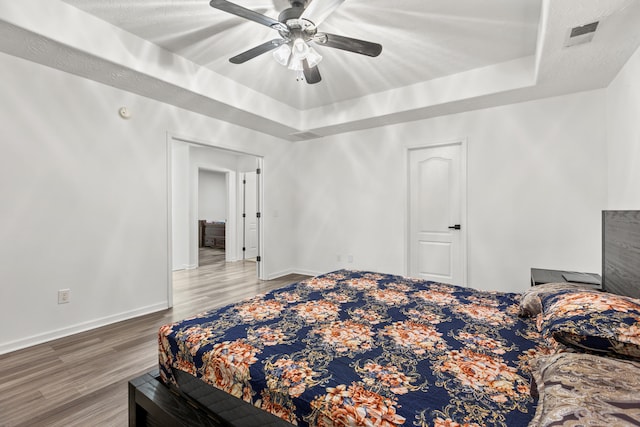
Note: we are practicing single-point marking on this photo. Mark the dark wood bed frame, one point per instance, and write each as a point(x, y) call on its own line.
point(152, 403)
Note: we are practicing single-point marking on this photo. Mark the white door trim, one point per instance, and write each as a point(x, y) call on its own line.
point(169, 207)
point(170, 139)
point(462, 142)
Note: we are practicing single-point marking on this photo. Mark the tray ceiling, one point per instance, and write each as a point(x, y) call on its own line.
point(422, 40)
point(439, 56)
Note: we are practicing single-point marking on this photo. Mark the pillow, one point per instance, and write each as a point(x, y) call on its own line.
point(593, 321)
point(530, 304)
point(578, 389)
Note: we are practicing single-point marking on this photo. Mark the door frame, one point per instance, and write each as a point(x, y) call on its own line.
point(172, 138)
point(462, 142)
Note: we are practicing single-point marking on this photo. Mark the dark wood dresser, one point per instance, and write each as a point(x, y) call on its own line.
point(212, 234)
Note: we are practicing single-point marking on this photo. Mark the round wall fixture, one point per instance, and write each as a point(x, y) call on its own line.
point(124, 113)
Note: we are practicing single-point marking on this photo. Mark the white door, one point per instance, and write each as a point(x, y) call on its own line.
point(250, 219)
point(436, 229)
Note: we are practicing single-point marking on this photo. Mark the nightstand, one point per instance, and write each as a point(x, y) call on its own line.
point(541, 275)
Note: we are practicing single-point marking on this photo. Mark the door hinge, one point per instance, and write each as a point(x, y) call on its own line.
point(244, 215)
point(244, 249)
point(258, 215)
point(258, 171)
point(258, 258)
point(244, 181)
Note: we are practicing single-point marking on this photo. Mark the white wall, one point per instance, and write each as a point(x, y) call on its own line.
point(536, 185)
point(280, 193)
point(212, 196)
point(623, 137)
point(180, 206)
point(84, 200)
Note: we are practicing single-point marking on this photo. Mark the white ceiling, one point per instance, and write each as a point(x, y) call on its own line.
point(439, 56)
point(421, 39)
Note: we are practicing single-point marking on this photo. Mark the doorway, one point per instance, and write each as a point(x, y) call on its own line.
point(437, 212)
point(187, 158)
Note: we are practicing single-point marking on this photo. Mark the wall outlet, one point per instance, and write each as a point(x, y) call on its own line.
point(64, 296)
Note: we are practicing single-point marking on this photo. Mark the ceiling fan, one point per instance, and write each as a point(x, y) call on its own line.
point(297, 26)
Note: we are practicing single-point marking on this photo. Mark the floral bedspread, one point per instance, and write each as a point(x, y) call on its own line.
point(362, 348)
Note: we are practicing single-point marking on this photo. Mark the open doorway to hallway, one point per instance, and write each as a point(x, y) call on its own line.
point(215, 204)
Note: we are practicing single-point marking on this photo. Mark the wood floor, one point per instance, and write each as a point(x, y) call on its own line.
point(81, 380)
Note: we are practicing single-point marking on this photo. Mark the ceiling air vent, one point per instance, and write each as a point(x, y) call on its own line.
point(581, 34)
point(303, 136)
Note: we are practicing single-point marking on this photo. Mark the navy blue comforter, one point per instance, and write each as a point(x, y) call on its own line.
point(362, 348)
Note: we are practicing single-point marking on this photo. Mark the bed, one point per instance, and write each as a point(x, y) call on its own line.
point(355, 347)
point(362, 348)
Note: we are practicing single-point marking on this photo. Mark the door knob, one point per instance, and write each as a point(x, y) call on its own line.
point(454, 227)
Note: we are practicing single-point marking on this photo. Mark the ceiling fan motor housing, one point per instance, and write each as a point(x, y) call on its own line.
point(299, 3)
point(296, 27)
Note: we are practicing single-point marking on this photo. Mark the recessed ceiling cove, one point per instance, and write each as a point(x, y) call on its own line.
point(423, 40)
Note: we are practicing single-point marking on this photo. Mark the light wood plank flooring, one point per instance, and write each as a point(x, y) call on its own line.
point(81, 380)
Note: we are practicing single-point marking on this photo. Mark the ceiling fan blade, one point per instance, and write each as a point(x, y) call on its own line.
point(256, 51)
point(318, 10)
point(347, 43)
point(243, 12)
point(311, 75)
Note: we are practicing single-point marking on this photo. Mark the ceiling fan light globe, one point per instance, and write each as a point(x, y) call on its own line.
point(300, 49)
point(282, 55)
point(313, 57)
point(296, 65)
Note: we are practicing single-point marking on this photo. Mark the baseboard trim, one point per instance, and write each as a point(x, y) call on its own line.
point(279, 274)
point(309, 272)
point(185, 267)
point(292, 271)
point(80, 327)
